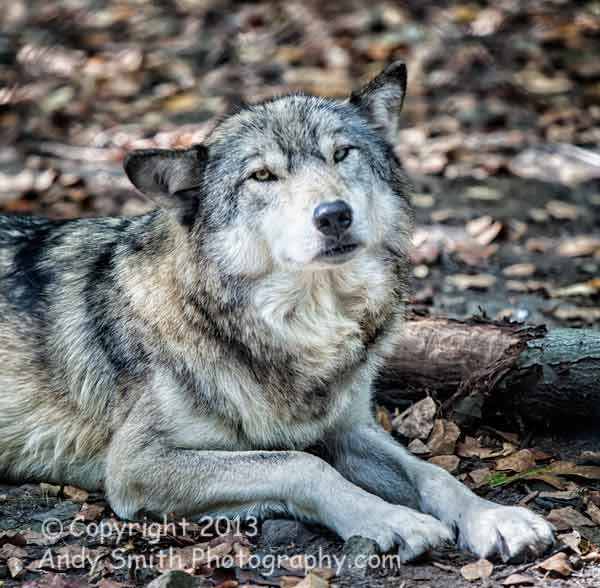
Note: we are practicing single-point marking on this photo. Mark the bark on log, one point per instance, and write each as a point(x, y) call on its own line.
point(477, 369)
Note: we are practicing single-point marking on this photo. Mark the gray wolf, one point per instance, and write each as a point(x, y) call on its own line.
point(215, 356)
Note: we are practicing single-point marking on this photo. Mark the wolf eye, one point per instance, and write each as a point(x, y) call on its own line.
point(341, 153)
point(263, 175)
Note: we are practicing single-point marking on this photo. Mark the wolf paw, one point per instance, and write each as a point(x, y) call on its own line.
point(509, 533)
point(411, 532)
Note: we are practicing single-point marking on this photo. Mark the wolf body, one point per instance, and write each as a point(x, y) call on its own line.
point(216, 355)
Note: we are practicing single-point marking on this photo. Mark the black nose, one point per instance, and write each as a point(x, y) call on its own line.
point(332, 218)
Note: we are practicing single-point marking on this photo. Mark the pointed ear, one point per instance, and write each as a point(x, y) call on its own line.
point(382, 98)
point(164, 172)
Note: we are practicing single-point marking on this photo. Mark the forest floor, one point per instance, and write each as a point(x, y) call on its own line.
point(499, 135)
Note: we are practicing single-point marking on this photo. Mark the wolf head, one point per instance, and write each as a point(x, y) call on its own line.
point(296, 183)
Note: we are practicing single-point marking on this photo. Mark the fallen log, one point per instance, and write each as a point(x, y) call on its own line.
point(482, 368)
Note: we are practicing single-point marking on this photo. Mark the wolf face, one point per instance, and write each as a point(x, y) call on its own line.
point(297, 183)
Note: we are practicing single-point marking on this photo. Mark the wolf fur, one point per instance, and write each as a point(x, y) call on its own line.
point(216, 355)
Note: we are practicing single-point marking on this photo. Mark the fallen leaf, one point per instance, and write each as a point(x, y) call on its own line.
point(528, 286)
point(480, 476)
point(577, 313)
point(448, 462)
point(472, 282)
point(15, 567)
point(384, 418)
point(9, 550)
point(518, 580)
point(558, 563)
point(417, 447)
point(477, 570)
point(443, 438)
point(106, 583)
point(471, 447)
point(562, 210)
point(519, 270)
point(172, 578)
point(13, 538)
point(571, 540)
point(49, 489)
point(594, 512)
point(589, 288)
point(592, 556)
point(289, 581)
point(75, 494)
point(570, 468)
point(581, 246)
point(313, 581)
point(90, 512)
point(536, 82)
point(568, 518)
point(325, 573)
point(589, 458)
point(52, 580)
point(484, 229)
point(518, 462)
point(417, 421)
point(483, 193)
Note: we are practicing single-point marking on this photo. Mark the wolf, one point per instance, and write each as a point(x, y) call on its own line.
point(216, 355)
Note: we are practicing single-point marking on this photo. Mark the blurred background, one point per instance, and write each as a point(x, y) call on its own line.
point(500, 130)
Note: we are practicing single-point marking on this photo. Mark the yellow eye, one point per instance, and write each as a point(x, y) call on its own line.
point(263, 175)
point(340, 154)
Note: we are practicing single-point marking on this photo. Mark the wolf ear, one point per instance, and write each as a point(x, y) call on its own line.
point(382, 98)
point(165, 172)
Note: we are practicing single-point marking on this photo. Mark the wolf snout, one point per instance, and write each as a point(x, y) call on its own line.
point(332, 218)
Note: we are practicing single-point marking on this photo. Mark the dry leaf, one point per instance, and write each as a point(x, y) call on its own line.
point(570, 468)
point(417, 447)
point(90, 512)
point(471, 447)
point(325, 573)
point(594, 512)
point(448, 462)
point(289, 581)
point(75, 494)
point(484, 229)
point(544, 476)
point(518, 580)
point(571, 540)
point(519, 270)
point(443, 438)
point(581, 246)
point(480, 476)
point(577, 313)
point(568, 518)
point(518, 462)
point(592, 556)
point(49, 489)
point(558, 563)
point(472, 282)
point(14, 538)
point(562, 210)
point(9, 550)
point(106, 583)
point(417, 421)
point(313, 581)
point(384, 418)
point(589, 288)
point(15, 567)
point(477, 570)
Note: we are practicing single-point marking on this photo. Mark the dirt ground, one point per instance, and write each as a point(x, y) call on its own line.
point(499, 135)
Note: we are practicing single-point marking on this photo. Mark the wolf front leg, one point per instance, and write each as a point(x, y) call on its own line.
point(163, 480)
point(367, 456)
